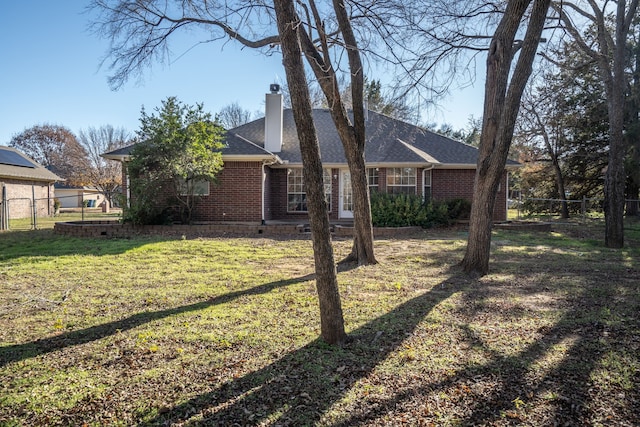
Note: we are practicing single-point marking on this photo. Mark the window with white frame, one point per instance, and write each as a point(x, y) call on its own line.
point(401, 180)
point(372, 179)
point(426, 194)
point(296, 195)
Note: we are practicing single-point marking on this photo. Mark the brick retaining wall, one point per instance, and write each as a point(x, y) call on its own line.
point(114, 229)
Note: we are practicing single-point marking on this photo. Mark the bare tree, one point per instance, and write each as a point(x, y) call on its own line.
point(56, 148)
point(503, 92)
point(233, 115)
point(538, 127)
point(103, 174)
point(609, 51)
point(139, 33)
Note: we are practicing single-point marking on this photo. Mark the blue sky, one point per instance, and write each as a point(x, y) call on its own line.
point(51, 73)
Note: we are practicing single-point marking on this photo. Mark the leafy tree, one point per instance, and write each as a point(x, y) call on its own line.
point(469, 135)
point(54, 147)
point(179, 146)
point(103, 174)
point(563, 131)
point(607, 47)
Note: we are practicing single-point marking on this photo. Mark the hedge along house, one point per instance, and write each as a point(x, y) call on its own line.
point(26, 188)
point(263, 177)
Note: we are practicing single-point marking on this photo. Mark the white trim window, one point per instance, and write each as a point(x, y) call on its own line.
point(372, 179)
point(296, 194)
point(401, 180)
point(426, 193)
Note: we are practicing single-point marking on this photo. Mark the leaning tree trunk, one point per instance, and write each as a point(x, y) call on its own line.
point(331, 319)
point(362, 250)
point(501, 105)
point(351, 135)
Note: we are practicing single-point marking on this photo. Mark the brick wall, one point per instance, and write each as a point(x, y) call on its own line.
point(449, 184)
point(113, 229)
point(20, 196)
point(236, 196)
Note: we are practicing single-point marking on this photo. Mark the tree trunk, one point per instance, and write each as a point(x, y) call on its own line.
point(331, 319)
point(633, 193)
point(614, 85)
point(555, 163)
point(501, 105)
point(351, 135)
point(362, 250)
point(564, 212)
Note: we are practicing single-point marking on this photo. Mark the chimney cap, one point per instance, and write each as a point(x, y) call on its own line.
point(274, 88)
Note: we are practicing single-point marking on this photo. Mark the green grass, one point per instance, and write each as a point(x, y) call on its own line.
point(47, 222)
point(221, 331)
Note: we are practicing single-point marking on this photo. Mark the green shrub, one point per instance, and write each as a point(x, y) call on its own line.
point(404, 210)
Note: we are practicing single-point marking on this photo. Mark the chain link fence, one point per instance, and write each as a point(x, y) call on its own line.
point(36, 213)
point(585, 207)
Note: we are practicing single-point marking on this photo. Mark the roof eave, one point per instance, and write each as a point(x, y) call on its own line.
point(251, 158)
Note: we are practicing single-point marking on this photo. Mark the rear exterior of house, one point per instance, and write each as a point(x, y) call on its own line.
point(263, 177)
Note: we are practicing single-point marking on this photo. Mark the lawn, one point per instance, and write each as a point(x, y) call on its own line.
point(224, 331)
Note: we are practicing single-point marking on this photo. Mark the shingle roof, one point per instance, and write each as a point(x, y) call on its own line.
point(389, 141)
point(235, 145)
point(35, 173)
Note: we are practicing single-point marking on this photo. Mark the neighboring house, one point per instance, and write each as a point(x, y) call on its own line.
point(23, 184)
point(72, 196)
point(262, 179)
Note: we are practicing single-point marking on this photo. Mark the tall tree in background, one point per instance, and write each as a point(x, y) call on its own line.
point(103, 174)
point(503, 91)
point(563, 130)
point(608, 49)
point(54, 147)
point(233, 115)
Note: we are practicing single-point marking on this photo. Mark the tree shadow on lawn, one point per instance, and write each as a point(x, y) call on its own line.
point(298, 388)
point(15, 353)
point(515, 385)
point(528, 386)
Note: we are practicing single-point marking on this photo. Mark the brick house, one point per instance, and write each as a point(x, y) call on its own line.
point(23, 183)
point(262, 179)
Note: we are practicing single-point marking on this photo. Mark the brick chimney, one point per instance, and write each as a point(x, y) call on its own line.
point(273, 120)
